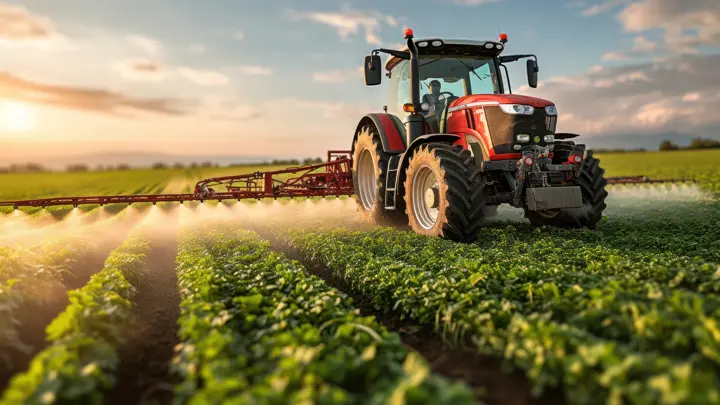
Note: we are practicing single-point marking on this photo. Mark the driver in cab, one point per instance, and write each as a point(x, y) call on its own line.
point(432, 97)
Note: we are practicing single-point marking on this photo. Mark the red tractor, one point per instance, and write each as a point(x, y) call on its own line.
point(453, 143)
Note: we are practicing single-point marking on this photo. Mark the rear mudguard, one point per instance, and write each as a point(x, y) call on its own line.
point(405, 160)
point(390, 129)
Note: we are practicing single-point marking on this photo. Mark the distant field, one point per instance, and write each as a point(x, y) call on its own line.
point(685, 163)
point(142, 181)
point(701, 165)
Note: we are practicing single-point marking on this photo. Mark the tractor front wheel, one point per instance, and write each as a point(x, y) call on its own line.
point(444, 193)
point(369, 169)
point(592, 185)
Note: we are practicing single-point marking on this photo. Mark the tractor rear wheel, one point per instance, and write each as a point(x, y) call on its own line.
point(592, 185)
point(369, 169)
point(444, 193)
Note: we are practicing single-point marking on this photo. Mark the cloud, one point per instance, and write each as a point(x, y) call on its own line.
point(224, 110)
point(686, 24)
point(701, 18)
point(17, 24)
point(142, 70)
point(203, 77)
point(147, 70)
point(239, 35)
point(103, 101)
point(338, 76)
point(85, 98)
point(603, 7)
point(20, 27)
point(349, 22)
point(679, 94)
point(641, 47)
point(148, 45)
point(335, 111)
point(255, 70)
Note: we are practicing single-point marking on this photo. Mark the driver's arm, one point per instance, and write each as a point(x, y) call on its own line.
point(426, 99)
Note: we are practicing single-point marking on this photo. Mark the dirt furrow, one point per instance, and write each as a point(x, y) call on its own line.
point(491, 384)
point(143, 376)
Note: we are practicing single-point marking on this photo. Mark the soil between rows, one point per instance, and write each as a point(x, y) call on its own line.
point(143, 374)
point(35, 316)
point(485, 375)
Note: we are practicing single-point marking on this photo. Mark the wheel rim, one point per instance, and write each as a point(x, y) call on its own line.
point(366, 179)
point(425, 197)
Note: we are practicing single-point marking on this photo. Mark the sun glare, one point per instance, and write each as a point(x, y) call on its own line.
point(16, 117)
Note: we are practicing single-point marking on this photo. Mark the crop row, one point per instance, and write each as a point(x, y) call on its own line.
point(80, 359)
point(595, 333)
point(32, 278)
point(255, 328)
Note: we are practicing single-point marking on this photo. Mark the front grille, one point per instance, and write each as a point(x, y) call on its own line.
point(550, 123)
point(503, 127)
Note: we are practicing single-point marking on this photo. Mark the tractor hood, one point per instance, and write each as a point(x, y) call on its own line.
point(502, 99)
point(503, 128)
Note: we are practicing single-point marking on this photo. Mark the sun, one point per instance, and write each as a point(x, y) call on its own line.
point(16, 116)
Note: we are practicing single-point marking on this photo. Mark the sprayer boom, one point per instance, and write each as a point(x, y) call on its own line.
point(332, 178)
point(644, 180)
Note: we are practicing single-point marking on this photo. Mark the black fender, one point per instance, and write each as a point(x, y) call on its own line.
point(405, 158)
point(390, 129)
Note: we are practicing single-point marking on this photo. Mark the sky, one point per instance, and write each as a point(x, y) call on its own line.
point(283, 78)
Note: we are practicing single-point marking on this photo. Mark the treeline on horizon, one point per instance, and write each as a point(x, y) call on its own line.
point(82, 167)
point(666, 145)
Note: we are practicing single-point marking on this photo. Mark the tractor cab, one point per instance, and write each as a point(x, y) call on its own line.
point(444, 78)
point(448, 70)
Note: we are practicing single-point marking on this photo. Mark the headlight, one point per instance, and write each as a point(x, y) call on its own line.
point(551, 110)
point(549, 138)
point(517, 109)
point(522, 138)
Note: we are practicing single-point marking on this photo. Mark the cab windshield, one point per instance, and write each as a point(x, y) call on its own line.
point(448, 75)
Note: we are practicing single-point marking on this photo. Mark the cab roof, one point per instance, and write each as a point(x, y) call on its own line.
point(439, 46)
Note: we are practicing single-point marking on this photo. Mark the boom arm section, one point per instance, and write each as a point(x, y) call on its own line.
point(301, 181)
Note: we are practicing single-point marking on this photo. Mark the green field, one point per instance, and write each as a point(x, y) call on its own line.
point(140, 181)
point(299, 302)
point(700, 165)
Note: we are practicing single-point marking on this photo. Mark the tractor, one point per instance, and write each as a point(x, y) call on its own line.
point(452, 144)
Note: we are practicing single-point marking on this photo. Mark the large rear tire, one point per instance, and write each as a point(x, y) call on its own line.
point(592, 185)
point(369, 169)
point(444, 193)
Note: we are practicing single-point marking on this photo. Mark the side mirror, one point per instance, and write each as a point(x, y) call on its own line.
point(532, 73)
point(373, 70)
